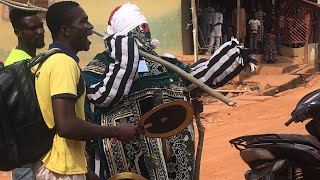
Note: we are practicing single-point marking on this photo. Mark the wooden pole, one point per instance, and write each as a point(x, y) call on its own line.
point(195, 30)
point(23, 6)
point(306, 45)
point(241, 74)
point(238, 19)
point(201, 131)
point(200, 127)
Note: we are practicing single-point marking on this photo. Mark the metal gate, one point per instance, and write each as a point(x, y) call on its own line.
point(297, 19)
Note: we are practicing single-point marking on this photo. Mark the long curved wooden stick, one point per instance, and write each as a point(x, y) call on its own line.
point(23, 5)
point(192, 79)
point(19, 7)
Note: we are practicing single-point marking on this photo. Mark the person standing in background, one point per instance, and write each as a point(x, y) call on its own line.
point(270, 49)
point(226, 26)
point(28, 27)
point(211, 12)
point(204, 18)
point(260, 36)
point(205, 22)
point(254, 25)
point(216, 34)
point(280, 27)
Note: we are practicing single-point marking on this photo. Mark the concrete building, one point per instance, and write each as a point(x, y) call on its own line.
point(168, 20)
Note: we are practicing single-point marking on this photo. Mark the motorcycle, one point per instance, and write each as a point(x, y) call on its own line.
point(285, 156)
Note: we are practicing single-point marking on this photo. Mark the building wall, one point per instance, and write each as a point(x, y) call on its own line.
point(165, 19)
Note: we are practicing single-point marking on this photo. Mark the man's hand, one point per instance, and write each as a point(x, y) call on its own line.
point(91, 175)
point(70, 127)
point(127, 132)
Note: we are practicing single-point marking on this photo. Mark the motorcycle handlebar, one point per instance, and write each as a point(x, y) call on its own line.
point(291, 120)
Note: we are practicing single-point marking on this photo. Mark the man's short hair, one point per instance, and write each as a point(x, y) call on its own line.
point(17, 14)
point(58, 15)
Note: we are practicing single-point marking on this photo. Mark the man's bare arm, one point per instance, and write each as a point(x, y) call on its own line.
point(70, 127)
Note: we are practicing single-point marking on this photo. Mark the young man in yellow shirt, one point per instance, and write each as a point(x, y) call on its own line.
point(60, 91)
point(28, 27)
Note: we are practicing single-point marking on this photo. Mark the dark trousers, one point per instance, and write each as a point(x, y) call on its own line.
point(253, 43)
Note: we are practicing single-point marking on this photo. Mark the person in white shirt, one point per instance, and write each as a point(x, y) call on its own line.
point(216, 34)
point(254, 25)
point(205, 23)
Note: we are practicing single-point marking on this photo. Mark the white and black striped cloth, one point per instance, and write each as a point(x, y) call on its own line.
point(226, 63)
point(119, 74)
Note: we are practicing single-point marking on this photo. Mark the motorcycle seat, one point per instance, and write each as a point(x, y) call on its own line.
point(302, 139)
point(256, 154)
point(313, 140)
point(258, 150)
point(253, 140)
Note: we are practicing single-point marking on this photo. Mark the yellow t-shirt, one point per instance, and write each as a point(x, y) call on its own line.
point(15, 56)
point(58, 78)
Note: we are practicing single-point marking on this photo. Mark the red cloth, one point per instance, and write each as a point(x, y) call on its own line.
point(112, 13)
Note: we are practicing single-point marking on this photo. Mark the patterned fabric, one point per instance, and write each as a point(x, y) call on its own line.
point(260, 15)
point(107, 79)
point(144, 156)
point(270, 49)
point(143, 37)
point(119, 92)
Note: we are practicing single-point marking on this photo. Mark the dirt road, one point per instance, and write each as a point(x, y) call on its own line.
point(261, 115)
point(253, 115)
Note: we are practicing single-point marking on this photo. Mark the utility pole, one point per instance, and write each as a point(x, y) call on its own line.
point(195, 30)
point(238, 19)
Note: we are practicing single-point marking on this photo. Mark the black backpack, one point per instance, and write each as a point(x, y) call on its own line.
point(24, 135)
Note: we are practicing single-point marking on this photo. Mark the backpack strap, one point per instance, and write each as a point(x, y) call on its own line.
point(39, 59)
point(42, 57)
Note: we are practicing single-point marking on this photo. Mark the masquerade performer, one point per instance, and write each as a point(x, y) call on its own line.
point(122, 86)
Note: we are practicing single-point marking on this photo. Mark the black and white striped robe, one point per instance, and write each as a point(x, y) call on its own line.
point(226, 63)
point(120, 74)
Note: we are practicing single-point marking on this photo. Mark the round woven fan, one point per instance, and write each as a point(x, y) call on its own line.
point(167, 119)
